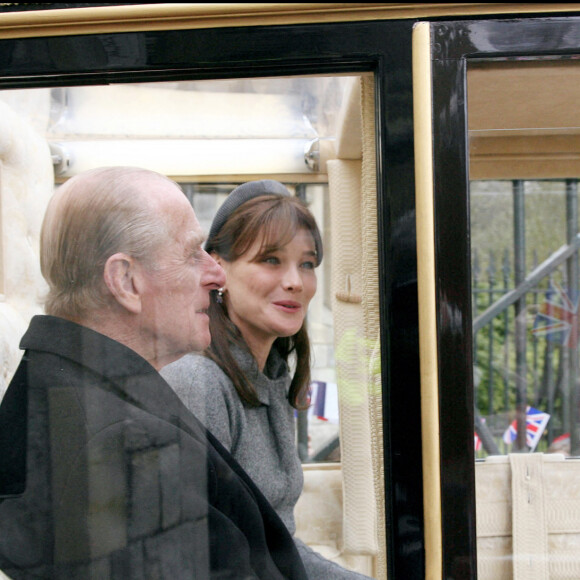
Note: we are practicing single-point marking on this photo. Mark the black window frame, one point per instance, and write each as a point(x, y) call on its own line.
point(453, 45)
point(383, 48)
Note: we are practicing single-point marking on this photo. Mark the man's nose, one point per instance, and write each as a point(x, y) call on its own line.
point(216, 276)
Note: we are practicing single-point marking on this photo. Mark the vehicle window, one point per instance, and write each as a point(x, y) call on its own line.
point(210, 137)
point(523, 142)
point(524, 224)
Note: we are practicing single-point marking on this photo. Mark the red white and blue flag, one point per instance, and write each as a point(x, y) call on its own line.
point(536, 422)
point(557, 317)
point(324, 401)
point(477, 442)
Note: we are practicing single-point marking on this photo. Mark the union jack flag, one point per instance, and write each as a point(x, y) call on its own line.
point(477, 442)
point(557, 317)
point(536, 422)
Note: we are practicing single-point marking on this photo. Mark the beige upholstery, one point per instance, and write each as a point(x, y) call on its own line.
point(26, 184)
point(528, 517)
point(349, 137)
point(319, 516)
point(352, 359)
point(352, 184)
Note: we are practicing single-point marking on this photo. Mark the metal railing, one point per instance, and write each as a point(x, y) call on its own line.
point(513, 367)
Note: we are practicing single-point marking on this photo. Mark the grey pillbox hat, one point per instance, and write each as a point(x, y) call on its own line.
point(244, 193)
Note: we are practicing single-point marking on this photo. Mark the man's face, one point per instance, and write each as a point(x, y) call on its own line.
point(176, 293)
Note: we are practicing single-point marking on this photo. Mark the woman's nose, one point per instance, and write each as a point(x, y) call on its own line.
point(292, 279)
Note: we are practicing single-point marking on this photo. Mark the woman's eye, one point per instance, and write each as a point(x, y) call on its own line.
point(271, 260)
point(309, 265)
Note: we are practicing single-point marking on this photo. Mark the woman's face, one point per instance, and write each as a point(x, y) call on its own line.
point(268, 297)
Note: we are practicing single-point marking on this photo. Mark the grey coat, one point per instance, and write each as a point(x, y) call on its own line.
point(261, 439)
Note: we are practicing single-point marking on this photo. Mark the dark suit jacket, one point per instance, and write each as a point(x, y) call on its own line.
point(106, 474)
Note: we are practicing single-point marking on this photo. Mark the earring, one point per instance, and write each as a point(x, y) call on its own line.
point(220, 295)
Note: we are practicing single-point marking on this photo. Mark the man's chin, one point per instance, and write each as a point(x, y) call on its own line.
point(195, 347)
point(200, 344)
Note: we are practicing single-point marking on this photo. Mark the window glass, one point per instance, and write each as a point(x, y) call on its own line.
point(210, 137)
point(524, 166)
point(195, 133)
point(524, 218)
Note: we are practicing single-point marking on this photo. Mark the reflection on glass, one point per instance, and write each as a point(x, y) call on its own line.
point(524, 233)
point(524, 121)
point(209, 137)
point(523, 345)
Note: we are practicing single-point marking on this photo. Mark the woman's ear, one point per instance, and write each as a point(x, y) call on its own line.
point(121, 278)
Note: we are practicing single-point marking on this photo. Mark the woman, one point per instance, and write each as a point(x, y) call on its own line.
point(269, 245)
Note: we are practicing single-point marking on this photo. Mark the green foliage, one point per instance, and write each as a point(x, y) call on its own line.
point(495, 359)
point(492, 247)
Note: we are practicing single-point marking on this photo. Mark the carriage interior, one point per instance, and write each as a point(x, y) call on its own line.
point(318, 135)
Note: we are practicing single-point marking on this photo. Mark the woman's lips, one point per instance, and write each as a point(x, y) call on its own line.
point(288, 304)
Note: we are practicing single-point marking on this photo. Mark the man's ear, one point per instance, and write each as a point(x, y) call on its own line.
point(120, 275)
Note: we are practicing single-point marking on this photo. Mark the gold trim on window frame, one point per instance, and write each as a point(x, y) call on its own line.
point(170, 16)
point(423, 130)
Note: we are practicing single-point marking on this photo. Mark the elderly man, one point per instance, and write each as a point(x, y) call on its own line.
point(103, 472)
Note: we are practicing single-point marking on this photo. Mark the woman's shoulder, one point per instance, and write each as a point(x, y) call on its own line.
point(192, 368)
point(202, 385)
point(192, 360)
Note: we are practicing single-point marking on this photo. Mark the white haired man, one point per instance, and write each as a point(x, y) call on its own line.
point(103, 471)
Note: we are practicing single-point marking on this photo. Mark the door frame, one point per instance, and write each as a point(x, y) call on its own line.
point(442, 51)
point(380, 47)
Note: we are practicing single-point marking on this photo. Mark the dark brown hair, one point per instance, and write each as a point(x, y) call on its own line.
point(275, 219)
